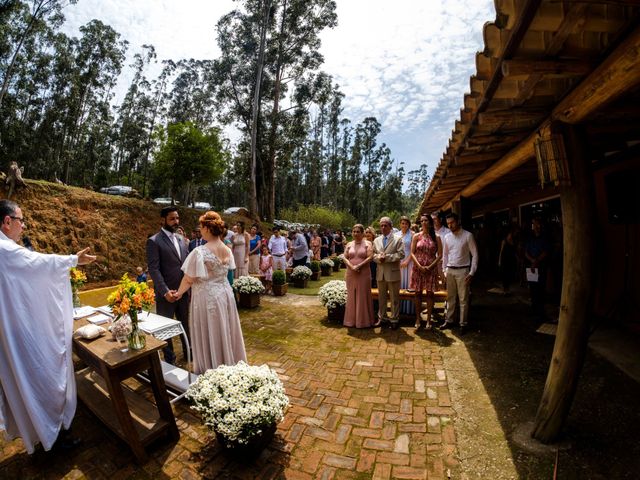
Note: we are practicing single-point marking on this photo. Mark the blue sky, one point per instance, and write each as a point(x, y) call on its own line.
point(406, 62)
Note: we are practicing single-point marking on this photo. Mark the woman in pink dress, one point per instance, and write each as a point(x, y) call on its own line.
point(426, 250)
point(357, 256)
point(266, 266)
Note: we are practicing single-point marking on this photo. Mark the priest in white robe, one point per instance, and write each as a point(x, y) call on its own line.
point(37, 385)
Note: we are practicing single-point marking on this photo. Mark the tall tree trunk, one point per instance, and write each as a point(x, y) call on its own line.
point(253, 190)
point(578, 220)
point(270, 167)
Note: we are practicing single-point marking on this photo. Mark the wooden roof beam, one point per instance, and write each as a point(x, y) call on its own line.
point(618, 74)
point(524, 67)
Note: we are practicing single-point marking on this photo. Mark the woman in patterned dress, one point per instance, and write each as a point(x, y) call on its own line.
point(406, 264)
point(426, 250)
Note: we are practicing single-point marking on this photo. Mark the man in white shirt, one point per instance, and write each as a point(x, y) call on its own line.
point(278, 248)
point(460, 262)
point(37, 385)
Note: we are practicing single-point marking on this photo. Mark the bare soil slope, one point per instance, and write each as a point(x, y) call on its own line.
point(62, 219)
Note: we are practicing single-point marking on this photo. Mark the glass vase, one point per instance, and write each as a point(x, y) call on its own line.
point(75, 297)
point(136, 339)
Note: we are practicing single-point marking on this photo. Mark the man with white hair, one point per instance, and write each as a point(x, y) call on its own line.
point(388, 250)
point(37, 386)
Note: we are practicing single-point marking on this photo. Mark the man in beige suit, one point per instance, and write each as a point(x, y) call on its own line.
point(388, 250)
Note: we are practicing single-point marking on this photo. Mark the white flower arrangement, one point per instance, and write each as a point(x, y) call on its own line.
point(326, 263)
point(333, 294)
point(301, 272)
point(248, 284)
point(239, 401)
point(340, 258)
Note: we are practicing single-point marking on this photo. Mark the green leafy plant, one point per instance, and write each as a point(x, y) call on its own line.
point(279, 277)
point(315, 266)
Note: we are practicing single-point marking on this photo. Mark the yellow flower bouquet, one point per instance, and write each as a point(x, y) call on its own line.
point(128, 299)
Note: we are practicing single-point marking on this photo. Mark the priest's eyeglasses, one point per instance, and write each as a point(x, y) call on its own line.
point(20, 219)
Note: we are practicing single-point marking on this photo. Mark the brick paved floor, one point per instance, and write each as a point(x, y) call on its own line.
point(364, 404)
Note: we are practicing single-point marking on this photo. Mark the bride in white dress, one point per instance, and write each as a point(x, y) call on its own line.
point(215, 331)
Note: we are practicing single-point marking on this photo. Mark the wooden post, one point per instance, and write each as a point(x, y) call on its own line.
point(578, 215)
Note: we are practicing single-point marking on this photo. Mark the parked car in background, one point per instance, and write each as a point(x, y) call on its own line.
point(236, 211)
point(162, 201)
point(202, 206)
point(123, 190)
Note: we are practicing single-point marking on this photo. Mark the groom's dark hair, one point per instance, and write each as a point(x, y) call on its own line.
point(167, 210)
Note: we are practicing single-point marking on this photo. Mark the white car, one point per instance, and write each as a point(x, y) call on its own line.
point(123, 190)
point(162, 201)
point(202, 206)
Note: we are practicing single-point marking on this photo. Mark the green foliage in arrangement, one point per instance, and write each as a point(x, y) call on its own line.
point(315, 266)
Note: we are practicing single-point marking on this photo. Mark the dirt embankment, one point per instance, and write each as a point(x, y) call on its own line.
point(62, 219)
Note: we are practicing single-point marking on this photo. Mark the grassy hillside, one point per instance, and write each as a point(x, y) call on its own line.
point(63, 219)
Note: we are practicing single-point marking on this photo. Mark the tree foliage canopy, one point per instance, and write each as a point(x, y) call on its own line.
point(59, 117)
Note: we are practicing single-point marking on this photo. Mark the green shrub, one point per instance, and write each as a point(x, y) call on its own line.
point(279, 277)
point(315, 266)
point(314, 214)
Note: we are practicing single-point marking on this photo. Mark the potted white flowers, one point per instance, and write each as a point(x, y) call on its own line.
point(249, 290)
point(300, 276)
point(242, 404)
point(333, 295)
point(326, 264)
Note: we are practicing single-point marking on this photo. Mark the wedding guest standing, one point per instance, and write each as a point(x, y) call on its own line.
point(266, 266)
point(338, 242)
point(460, 260)
point(441, 231)
point(216, 333)
point(37, 384)
point(406, 265)
point(254, 249)
point(316, 244)
point(240, 250)
point(388, 252)
point(278, 248)
point(226, 239)
point(426, 250)
point(357, 256)
point(370, 235)
point(197, 239)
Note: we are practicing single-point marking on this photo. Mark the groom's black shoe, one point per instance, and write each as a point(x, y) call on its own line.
point(445, 326)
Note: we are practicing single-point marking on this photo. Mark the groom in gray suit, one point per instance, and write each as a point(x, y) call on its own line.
point(388, 250)
point(165, 254)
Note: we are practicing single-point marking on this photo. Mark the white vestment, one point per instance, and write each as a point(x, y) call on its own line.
point(37, 386)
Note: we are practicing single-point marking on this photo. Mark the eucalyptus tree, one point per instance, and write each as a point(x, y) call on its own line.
point(98, 54)
point(27, 20)
point(291, 51)
point(135, 117)
point(191, 97)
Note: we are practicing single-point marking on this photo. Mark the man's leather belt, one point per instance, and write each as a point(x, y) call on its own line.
point(458, 268)
point(281, 255)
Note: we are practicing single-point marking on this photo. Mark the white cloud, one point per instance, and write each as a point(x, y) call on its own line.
point(406, 62)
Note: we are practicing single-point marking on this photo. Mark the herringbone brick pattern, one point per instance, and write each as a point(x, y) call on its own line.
point(364, 404)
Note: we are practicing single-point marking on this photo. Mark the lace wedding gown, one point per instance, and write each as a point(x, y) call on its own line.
point(215, 331)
